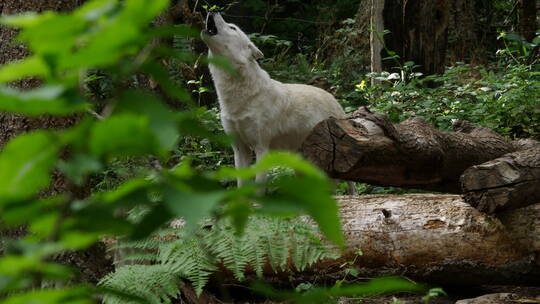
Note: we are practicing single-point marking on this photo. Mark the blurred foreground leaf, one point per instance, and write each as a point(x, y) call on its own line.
point(322, 295)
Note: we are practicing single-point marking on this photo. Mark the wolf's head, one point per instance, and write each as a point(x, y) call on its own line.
point(227, 40)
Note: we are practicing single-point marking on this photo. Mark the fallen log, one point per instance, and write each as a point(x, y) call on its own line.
point(438, 239)
point(508, 182)
point(500, 298)
point(368, 148)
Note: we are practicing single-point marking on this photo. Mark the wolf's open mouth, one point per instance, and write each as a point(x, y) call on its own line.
point(211, 28)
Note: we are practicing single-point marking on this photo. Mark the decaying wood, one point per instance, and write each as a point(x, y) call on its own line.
point(439, 239)
point(500, 298)
point(508, 182)
point(368, 148)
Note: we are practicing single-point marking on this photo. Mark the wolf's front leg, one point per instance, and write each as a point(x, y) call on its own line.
point(242, 158)
point(260, 152)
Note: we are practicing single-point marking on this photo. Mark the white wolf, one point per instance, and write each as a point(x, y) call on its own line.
point(262, 113)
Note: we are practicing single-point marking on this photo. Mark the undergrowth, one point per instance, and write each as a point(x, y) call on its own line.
point(174, 255)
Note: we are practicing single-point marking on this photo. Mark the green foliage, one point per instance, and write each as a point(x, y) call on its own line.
point(51, 99)
point(324, 295)
point(113, 41)
point(158, 164)
point(26, 164)
point(502, 96)
point(78, 295)
point(506, 101)
point(143, 284)
point(175, 254)
point(517, 50)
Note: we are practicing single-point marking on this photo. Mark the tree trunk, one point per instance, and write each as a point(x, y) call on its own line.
point(508, 182)
point(439, 239)
point(527, 19)
point(368, 148)
point(376, 37)
point(435, 235)
point(468, 32)
point(418, 32)
point(435, 238)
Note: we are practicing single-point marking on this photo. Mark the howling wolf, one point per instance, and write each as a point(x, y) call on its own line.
point(262, 113)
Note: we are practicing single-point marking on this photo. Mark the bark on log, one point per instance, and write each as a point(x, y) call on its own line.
point(368, 148)
point(439, 239)
point(508, 182)
point(500, 298)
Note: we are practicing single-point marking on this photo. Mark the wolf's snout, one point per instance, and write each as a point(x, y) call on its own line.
point(211, 28)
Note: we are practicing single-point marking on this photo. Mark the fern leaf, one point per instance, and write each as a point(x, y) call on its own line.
point(188, 259)
point(153, 283)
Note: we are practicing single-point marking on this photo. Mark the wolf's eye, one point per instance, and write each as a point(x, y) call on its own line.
point(233, 28)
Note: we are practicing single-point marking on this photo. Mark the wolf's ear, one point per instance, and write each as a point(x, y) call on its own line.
point(256, 53)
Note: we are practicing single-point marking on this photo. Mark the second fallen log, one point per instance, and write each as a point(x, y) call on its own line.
point(508, 182)
point(368, 148)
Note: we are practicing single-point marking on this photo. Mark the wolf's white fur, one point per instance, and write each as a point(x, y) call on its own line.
point(263, 114)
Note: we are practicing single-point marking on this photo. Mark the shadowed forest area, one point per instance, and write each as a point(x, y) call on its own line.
point(118, 183)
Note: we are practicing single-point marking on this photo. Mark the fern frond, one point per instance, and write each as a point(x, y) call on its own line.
point(187, 258)
point(194, 256)
point(136, 257)
point(308, 248)
point(255, 248)
point(277, 243)
point(230, 249)
point(153, 283)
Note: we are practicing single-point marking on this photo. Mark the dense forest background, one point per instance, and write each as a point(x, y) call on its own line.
point(115, 174)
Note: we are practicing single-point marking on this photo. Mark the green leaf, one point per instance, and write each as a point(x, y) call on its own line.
point(162, 120)
point(79, 166)
point(322, 295)
point(314, 196)
point(155, 219)
point(161, 75)
point(18, 213)
point(47, 99)
point(128, 191)
point(273, 160)
point(93, 10)
point(75, 240)
point(27, 19)
point(107, 48)
point(514, 37)
point(123, 135)
point(31, 66)
point(175, 30)
point(57, 34)
point(191, 123)
point(191, 206)
point(96, 218)
point(239, 212)
point(44, 226)
point(71, 295)
point(289, 160)
point(143, 11)
point(26, 163)
point(409, 63)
